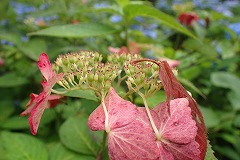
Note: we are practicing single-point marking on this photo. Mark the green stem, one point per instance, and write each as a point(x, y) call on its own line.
point(104, 140)
point(58, 92)
point(150, 117)
point(107, 127)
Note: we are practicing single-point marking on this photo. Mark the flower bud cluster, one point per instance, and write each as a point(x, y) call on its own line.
point(143, 77)
point(122, 59)
point(84, 70)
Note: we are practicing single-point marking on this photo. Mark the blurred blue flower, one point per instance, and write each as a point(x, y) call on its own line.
point(115, 18)
point(101, 5)
point(24, 38)
point(139, 19)
point(236, 29)
point(5, 42)
point(4, 22)
point(21, 9)
point(43, 6)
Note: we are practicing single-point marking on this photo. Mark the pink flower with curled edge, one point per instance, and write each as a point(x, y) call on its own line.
point(38, 103)
point(131, 136)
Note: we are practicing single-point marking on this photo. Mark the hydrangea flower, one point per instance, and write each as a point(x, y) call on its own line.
point(38, 103)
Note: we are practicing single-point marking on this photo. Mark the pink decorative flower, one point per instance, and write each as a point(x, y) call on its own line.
point(38, 103)
point(172, 63)
point(131, 136)
point(188, 18)
point(133, 49)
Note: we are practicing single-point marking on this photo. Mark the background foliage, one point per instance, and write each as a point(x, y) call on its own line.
point(208, 52)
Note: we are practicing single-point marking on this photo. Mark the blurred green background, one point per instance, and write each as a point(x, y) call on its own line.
point(206, 44)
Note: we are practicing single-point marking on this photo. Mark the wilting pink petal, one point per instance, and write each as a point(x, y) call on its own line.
point(38, 103)
point(45, 66)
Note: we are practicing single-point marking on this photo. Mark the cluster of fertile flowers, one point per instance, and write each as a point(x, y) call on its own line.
point(172, 130)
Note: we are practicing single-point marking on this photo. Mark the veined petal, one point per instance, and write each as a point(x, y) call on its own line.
point(36, 115)
point(45, 66)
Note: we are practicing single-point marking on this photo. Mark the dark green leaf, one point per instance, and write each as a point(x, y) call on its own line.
point(75, 135)
point(59, 152)
point(76, 30)
point(6, 109)
point(133, 10)
point(23, 147)
point(12, 80)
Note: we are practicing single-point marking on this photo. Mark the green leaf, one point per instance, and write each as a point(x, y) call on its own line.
point(16, 122)
point(23, 147)
point(75, 135)
point(33, 48)
point(133, 10)
point(76, 30)
point(211, 119)
point(226, 80)
point(123, 3)
point(6, 109)
point(190, 85)
point(14, 38)
point(59, 152)
point(86, 94)
point(153, 101)
point(12, 80)
point(210, 153)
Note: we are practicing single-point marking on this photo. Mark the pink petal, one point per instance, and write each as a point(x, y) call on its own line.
point(45, 66)
point(188, 151)
point(54, 100)
point(164, 153)
point(133, 141)
point(179, 127)
point(120, 112)
point(36, 114)
point(30, 105)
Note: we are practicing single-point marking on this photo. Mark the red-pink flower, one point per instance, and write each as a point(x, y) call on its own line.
point(188, 18)
point(38, 103)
